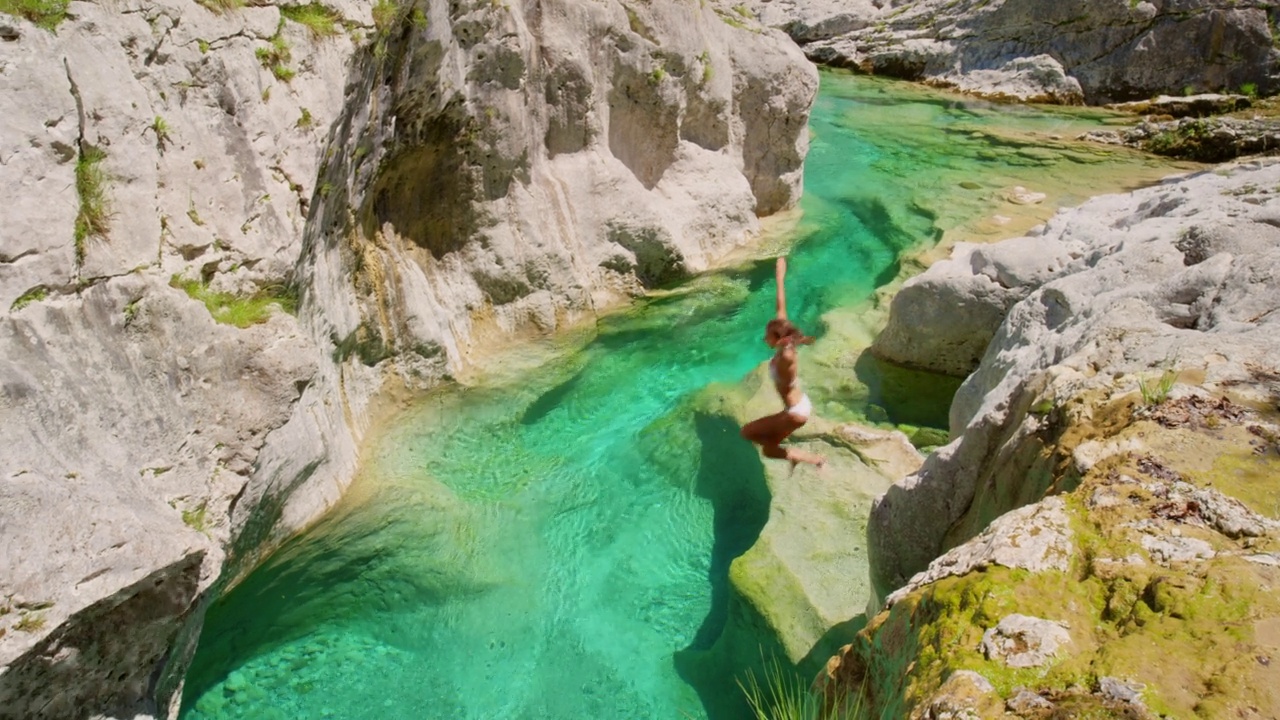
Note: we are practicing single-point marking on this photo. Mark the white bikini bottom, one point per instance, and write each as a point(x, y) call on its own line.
point(801, 410)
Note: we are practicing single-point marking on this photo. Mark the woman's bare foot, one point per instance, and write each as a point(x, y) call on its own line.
point(799, 456)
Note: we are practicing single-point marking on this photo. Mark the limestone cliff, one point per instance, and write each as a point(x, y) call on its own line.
point(228, 227)
point(1126, 402)
point(1093, 51)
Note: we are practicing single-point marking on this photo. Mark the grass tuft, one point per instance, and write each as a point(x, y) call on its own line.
point(35, 294)
point(1157, 391)
point(276, 56)
point(30, 622)
point(785, 696)
point(91, 188)
point(222, 6)
point(230, 309)
point(320, 19)
point(161, 129)
point(44, 13)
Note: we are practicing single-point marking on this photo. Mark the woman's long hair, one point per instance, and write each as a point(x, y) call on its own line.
point(787, 331)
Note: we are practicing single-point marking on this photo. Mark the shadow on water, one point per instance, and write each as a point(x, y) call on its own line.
point(550, 399)
point(731, 476)
point(291, 595)
point(912, 397)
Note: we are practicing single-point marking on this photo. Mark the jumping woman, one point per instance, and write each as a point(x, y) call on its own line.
point(768, 432)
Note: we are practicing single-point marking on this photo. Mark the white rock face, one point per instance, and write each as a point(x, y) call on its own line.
point(1185, 275)
point(1035, 538)
point(429, 187)
point(1094, 51)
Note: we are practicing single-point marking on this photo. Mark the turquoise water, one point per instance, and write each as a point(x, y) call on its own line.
point(550, 545)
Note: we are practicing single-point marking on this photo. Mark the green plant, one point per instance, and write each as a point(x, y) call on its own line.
point(320, 19)
point(44, 13)
point(131, 311)
point(221, 6)
point(384, 15)
point(91, 188)
point(236, 310)
point(194, 518)
point(657, 75)
point(276, 56)
point(785, 696)
point(1250, 89)
point(35, 294)
point(203, 45)
point(193, 215)
point(161, 129)
point(29, 622)
point(305, 120)
point(1157, 391)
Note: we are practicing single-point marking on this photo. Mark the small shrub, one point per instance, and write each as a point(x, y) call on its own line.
point(131, 312)
point(384, 15)
point(320, 19)
point(91, 188)
point(305, 121)
point(657, 75)
point(44, 13)
point(1250, 89)
point(203, 45)
point(161, 129)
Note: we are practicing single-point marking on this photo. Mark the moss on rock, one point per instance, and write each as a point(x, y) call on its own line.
point(1158, 595)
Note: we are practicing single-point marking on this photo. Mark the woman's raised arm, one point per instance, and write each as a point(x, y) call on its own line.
point(780, 271)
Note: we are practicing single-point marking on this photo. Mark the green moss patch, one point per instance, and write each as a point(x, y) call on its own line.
point(1201, 635)
point(241, 311)
point(45, 13)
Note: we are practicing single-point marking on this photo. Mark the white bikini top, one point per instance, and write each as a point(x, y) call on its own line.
point(773, 375)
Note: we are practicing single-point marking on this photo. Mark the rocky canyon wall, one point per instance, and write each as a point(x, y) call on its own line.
point(1090, 51)
point(228, 228)
point(1107, 505)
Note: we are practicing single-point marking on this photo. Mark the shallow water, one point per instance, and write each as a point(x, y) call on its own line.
point(537, 546)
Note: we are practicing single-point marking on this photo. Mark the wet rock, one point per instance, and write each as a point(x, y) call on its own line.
point(1021, 641)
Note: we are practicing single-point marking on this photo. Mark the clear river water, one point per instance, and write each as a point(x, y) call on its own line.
point(528, 546)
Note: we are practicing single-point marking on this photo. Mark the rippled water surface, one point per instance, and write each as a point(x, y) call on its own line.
point(538, 547)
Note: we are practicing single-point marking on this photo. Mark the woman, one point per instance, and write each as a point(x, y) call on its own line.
point(768, 432)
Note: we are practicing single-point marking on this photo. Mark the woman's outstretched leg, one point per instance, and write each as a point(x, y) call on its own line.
point(768, 432)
